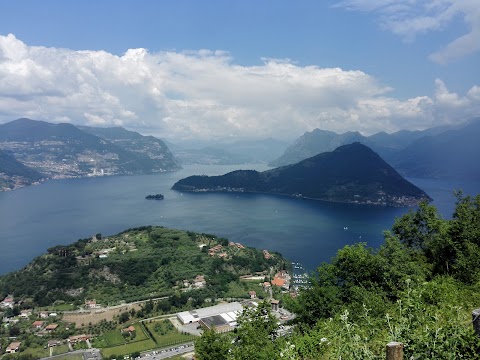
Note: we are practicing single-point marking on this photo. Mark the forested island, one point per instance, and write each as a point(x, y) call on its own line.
point(351, 174)
point(154, 197)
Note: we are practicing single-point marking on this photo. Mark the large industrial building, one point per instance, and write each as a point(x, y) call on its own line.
point(222, 317)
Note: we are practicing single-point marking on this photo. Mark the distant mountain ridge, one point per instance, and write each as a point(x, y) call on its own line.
point(228, 153)
point(442, 152)
point(450, 154)
point(64, 150)
point(142, 145)
point(352, 173)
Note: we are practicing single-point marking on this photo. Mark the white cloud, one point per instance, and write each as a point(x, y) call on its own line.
point(408, 18)
point(204, 94)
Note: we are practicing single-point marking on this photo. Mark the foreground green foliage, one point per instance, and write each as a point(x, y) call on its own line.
point(254, 338)
point(419, 288)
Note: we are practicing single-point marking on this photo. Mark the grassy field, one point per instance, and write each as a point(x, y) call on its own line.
point(37, 352)
point(110, 338)
point(241, 289)
point(165, 334)
point(139, 333)
point(80, 346)
point(115, 338)
point(127, 349)
point(59, 307)
point(57, 350)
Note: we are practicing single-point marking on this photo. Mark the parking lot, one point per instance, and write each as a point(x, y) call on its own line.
point(169, 352)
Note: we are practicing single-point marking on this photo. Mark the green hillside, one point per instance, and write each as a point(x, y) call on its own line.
point(13, 173)
point(136, 264)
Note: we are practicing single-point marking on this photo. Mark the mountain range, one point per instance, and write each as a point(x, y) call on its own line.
point(441, 152)
point(65, 151)
point(45, 150)
point(352, 173)
point(227, 152)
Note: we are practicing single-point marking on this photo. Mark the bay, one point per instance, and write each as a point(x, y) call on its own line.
point(35, 218)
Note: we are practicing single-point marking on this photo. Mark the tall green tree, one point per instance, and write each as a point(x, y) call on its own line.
point(464, 234)
point(418, 229)
point(211, 346)
point(256, 334)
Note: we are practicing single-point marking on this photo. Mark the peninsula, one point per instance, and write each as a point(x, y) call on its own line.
point(351, 174)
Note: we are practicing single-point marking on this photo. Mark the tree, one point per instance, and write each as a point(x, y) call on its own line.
point(256, 334)
point(14, 331)
point(124, 317)
point(464, 234)
point(211, 346)
point(419, 228)
point(254, 338)
point(148, 308)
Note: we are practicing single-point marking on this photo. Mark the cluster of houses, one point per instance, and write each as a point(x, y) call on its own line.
point(218, 250)
point(8, 302)
point(39, 327)
point(215, 251)
point(42, 326)
point(281, 279)
point(237, 245)
point(198, 283)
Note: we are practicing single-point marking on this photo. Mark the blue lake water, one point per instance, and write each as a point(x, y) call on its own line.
point(35, 218)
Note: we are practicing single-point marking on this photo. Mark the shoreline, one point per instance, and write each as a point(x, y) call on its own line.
point(393, 205)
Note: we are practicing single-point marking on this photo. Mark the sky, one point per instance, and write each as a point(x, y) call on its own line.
point(191, 69)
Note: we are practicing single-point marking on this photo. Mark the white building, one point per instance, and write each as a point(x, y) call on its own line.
point(228, 311)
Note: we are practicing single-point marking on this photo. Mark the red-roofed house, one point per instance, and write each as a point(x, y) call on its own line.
point(8, 302)
point(129, 329)
point(38, 324)
point(51, 327)
point(78, 338)
point(252, 294)
point(278, 282)
point(91, 304)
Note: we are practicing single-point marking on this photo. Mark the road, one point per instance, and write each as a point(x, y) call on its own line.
point(90, 354)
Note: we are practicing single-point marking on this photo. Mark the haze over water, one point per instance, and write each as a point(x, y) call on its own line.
point(35, 218)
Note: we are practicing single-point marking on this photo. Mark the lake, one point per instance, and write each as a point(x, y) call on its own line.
point(35, 218)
